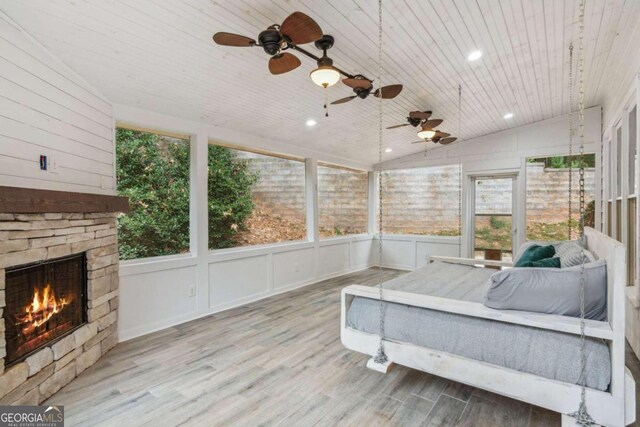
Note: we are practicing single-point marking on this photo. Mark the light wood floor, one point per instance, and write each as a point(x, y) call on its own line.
point(275, 362)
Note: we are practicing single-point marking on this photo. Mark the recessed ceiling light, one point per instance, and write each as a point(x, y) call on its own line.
point(311, 122)
point(475, 55)
point(388, 150)
point(508, 115)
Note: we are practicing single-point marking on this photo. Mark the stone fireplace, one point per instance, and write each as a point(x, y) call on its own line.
point(58, 288)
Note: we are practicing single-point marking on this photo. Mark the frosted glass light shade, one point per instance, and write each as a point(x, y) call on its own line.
point(325, 76)
point(426, 134)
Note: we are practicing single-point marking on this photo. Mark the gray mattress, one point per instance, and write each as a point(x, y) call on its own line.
point(549, 354)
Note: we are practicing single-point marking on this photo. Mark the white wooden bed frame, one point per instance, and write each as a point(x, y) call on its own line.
point(615, 407)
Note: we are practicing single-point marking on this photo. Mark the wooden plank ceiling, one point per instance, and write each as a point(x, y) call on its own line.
point(158, 55)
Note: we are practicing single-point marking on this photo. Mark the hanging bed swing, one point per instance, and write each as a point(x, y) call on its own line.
point(568, 359)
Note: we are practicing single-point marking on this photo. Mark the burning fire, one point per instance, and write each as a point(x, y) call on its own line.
point(41, 309)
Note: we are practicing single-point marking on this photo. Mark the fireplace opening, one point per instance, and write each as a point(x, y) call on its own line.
point(44, 302)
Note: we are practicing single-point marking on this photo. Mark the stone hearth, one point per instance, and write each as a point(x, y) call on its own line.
point(32, 237)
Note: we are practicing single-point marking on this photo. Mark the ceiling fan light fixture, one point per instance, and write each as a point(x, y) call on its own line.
point(325, 76)
point(426, 134)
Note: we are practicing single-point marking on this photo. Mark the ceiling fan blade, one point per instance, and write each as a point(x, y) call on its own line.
point(300, 28)
point(418, 142)
point(422, 115)
point(435, 139)
point(442, 134)
point(343, 100)
point(229, 39)
point(357, 83)
point(397, 126)
point(430, 124)
point(283, 63)
point(446, 141)
point(388, 92)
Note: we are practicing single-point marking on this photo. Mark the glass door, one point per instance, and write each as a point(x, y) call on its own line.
point(494, 225)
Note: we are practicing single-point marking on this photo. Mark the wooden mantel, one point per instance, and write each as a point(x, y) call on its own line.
point(31, 200)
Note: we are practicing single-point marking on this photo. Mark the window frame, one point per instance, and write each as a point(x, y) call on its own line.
point(273, 245)
point(526, 181)
point(191, 252)
point(320, 164)
point(461, 195)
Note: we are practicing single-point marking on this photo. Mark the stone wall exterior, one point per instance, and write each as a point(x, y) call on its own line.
point(416, 201)
point(280, 190)
point(342, 200)
point(548, 192)
point(421, 200)
point(30, 238)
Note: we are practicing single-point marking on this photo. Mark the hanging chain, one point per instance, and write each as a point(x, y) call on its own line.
point(380, 356)
point(582, 415)
point(459, 171)
point(570, 210)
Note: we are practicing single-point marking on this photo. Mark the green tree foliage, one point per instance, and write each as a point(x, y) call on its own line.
point(230, 199)
point(564, 162)
point(153, 172)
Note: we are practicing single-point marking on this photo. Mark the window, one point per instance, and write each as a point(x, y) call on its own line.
point(618, 169)
point(633, 150)
point(547, 195)
point(254, 198)
point(342, 201)
point(422, 201)
point(632, 209)
point(153, 172)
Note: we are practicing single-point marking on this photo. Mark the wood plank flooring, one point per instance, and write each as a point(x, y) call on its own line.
point(277, 361)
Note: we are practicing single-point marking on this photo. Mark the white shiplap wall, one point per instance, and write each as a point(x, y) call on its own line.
point(46, 109)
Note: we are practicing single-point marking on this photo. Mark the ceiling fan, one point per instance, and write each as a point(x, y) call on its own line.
point(362, 87)
point(298, 29)
point(415, 119)
point(427, 130)
point(295, 30)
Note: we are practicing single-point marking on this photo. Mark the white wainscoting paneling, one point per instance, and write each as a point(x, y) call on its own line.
point(408, 252)
point(334, 259)
point(398, 252)
point(238, 279)
point(292, 268)
point(449, 247)
point(362, 253)
point(233, 277)
point(151, 300)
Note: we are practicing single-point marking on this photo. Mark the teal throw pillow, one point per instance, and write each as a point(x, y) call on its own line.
point(535, 253)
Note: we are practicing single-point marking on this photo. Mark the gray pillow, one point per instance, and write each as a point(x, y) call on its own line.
point(550, 290)
point(571, 254)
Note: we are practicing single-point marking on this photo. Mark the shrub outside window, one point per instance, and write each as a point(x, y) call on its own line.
point(153, 172)
point(254, 199)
